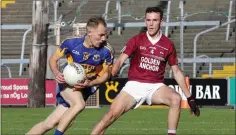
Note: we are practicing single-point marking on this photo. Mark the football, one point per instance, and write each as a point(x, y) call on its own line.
point(74, 73)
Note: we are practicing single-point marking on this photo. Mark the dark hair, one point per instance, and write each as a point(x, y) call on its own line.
point(156, 10)
point(95, 21)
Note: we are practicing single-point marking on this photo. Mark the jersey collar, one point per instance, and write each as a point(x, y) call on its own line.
point(154, 41)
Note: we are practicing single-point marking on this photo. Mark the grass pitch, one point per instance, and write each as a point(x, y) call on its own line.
point(140, 121)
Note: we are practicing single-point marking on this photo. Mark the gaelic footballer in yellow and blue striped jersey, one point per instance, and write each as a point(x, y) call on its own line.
point(93, 59)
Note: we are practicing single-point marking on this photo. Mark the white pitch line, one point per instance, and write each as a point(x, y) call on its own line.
point(155, 129)
point(139, 129)
point(142, 122)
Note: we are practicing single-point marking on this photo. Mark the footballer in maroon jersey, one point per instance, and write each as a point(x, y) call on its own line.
point(148, 58)
point(148, 52)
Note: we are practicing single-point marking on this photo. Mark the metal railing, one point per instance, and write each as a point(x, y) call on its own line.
point(23, 49)
point(196, 38)
point(166, 24)
point(229, 19)
point(109, 25)
point(8, 70)
point(183, 17)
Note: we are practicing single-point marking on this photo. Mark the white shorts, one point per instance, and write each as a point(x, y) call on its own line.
point(141, 91)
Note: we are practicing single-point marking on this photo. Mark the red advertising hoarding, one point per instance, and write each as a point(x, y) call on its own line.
point(15, 91)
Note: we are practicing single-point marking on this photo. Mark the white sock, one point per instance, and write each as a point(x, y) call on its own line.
point(172, 131)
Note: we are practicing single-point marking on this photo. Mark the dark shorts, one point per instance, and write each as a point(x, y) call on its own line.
point(86, 93)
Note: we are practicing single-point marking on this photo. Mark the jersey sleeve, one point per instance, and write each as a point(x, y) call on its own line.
point(62, 50)
point(108, 61)
point(172, 58)
point(130, 46)
point(109, 57)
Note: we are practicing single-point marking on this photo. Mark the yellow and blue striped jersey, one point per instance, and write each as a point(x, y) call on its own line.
point(92, 59)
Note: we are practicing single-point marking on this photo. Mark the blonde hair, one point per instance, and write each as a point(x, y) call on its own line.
point(95, 21)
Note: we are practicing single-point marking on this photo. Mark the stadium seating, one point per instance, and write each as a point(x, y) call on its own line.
point(228, 71)
point(212, 44)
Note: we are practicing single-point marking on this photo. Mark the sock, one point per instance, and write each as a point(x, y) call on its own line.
point(57, 132)
point(171, 132)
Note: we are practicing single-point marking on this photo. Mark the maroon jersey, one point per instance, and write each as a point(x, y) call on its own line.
point(148, 61)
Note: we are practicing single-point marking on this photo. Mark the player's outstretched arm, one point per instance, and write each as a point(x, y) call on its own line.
point(118, 63)
point(180, 79)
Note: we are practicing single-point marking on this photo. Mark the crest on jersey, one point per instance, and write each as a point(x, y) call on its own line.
point(96, 57)
point(161, 53)
point(86, 56)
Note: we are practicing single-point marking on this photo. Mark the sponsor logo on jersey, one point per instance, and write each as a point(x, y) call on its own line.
point(75, 52)
point(149, 64)
point(90, 70)
point(142, 48)
point(154, 57)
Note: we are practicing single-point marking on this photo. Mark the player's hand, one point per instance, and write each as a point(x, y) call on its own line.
point(59, 77)
point(82, 84)
point(114, 71)
point(193, 106)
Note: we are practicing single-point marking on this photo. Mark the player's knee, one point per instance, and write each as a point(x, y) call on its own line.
point(176, 100)
point(49, 126)
point(114, 113)
point(78, 107)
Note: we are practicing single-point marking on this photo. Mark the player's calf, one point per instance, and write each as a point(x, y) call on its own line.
point(174, 113)
point(46, 125)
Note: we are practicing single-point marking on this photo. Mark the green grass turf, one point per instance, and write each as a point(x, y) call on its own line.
point(140, 121)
